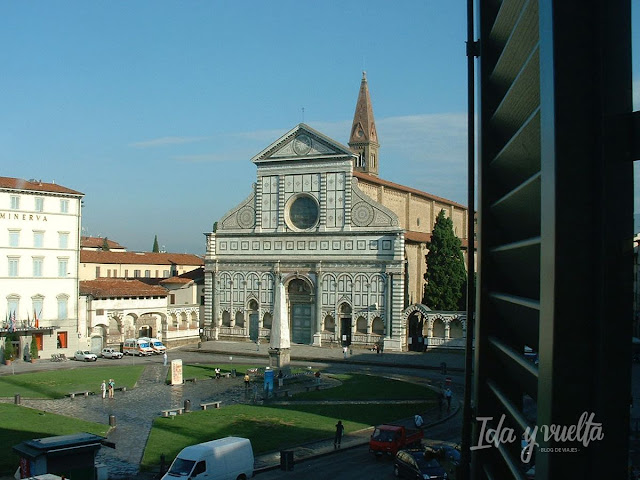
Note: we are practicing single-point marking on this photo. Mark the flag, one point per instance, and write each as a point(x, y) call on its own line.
point(35, 318)
point(12, 322)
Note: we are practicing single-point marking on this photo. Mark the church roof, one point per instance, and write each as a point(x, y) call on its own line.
point(363, 129)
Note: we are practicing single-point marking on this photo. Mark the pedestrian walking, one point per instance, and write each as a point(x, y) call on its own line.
point(418, 421)
point(246, 380)
point(164, 358)
point(344, 351)
point(317, 375)
point(111, 386)
point(447, 396)
point(217, 370)
point(339, 433)
point(257, 344)
point(103, 388)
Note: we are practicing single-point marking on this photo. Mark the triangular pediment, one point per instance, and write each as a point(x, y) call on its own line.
point(302, 143)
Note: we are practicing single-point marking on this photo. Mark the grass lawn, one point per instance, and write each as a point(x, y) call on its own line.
point(58, 383)
point(289, 425)
point(268, 427)
point(21, 423)
point(369, 387)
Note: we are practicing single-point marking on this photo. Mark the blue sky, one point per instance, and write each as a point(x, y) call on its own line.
point(153, 109)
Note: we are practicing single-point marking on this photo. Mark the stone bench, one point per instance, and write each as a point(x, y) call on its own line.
point(205, 405)
point(193, 380)
point(120, 389)
point(172, 412)
point(84, 394)
point(315, 387)
point(252, 371)
point(285, 393)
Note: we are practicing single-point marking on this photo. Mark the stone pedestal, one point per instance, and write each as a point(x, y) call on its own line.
point(317, 340)
point(392, 345)
point(279, 357)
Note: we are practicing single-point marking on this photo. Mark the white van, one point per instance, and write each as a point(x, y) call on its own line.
point(155, 344)
point(136, 346)
point(228, 458)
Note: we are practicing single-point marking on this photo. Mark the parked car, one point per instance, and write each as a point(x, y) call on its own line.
point(391, 438)
point(415, 464)
point(85, 356)
point(442, 452)
point(110, 353)
point(448, 456)
point(229, 458)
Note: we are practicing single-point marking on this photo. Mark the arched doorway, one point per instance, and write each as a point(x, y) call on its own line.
point(145, 331)
point(345, 324)
point(254, 321)
point(300, 302)
point(416, 336)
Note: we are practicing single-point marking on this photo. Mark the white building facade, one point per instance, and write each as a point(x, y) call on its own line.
point(339, 253)
point(39, 251)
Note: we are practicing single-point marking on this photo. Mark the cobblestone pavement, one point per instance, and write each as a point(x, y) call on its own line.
point(136, 409)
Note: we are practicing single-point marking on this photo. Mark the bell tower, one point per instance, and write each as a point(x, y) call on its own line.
point(363, 140)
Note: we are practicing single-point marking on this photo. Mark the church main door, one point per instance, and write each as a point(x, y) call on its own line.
point(301, 323)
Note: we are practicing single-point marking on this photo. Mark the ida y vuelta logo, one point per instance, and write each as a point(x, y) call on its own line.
point(584, 432)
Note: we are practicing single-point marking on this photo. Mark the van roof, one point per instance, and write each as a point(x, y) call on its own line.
point(196, 452)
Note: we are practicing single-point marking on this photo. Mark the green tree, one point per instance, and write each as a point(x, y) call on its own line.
point(9, 352)
point(446, 274)
point(156, 248)
point(33, 349)
point(105, 244)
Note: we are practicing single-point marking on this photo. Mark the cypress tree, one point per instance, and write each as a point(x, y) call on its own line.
point(156, 249)
point(446, 273)
point(105, 244)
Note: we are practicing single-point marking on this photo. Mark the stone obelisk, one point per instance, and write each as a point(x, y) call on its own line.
point(279, 343)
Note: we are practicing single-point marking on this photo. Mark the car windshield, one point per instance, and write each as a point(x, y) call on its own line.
point(383, 435)
point(87, 353)
point(144, 344)
point(181, 467)
point(157, 344)
point(426, 463)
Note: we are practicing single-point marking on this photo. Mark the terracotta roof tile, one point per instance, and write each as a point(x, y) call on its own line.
point(37, 186)
point(120, 287)
point(140, 258)
point(176, 281)
point(96, 242)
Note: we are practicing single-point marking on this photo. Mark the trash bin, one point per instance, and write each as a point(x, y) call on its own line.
point(233, 372)
point(187, 406)
point(286, 460)
point(112, 420)
point(16, 399)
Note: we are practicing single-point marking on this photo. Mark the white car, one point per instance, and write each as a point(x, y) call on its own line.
point(85, 355)
point(110, 353)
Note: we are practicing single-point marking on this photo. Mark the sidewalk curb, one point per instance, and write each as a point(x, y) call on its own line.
point(356, 443)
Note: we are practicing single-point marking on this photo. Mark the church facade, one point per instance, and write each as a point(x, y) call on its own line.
point(347, 247)
point(308, 229)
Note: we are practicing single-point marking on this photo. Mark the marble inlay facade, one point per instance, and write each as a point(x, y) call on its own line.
point(340, 253)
